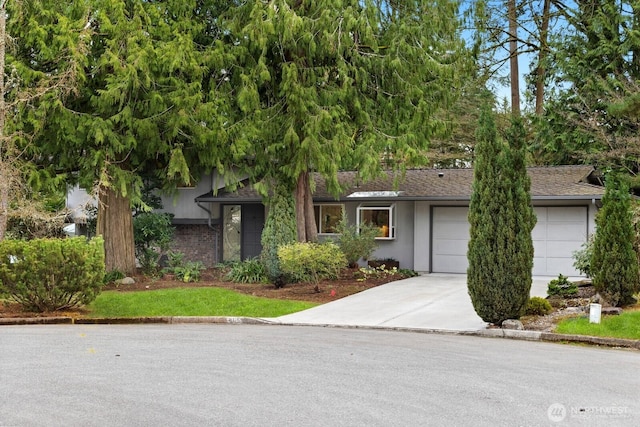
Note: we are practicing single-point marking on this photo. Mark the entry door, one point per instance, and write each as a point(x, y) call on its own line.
point(252, 225)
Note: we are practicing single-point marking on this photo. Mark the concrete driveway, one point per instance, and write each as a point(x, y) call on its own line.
point(430, 301)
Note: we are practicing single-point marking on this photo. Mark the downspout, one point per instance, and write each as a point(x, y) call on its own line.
point(208, 212)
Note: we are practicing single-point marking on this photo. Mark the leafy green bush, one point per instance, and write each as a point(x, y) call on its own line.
point(311, 261)
point(185, 271)
point(152, 233)
point(562, 287)
point(52, 274)
point(582, 257)
point(538, 306)
point(248, 271)
point(189, 272)
point(354, 243)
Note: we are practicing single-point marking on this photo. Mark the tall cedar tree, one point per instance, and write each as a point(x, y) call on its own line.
point(43, 43)
point(501, 218)
point(148, 105)
point(614, 264)
point(330, 84)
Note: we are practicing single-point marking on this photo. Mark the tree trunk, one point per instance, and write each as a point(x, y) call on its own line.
point(542, 56)
point(513, 58)
point(115, 225)
point(305, 219)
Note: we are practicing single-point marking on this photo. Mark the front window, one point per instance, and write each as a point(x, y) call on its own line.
point(328, 217)
point(381, 217)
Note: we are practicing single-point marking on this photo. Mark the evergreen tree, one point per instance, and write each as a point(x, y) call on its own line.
point(324, 85)
point(279, 230)
point(501, 219)
point(614, 264)
point(148, 105)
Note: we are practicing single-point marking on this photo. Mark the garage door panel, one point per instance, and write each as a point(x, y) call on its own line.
point(566, 231)
point(558, 233)
point(565, 214)
point(562, 249)
point(452, 247)
point(449, 230)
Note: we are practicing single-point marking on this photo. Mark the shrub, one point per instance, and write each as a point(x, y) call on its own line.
point(248, 271)
point(311, 261)
point(562, 287)
point(189, 272)
point(354, 243)
point(501, 220)
point(186, 272)
point(538, 306)
point(279, 229)
point(152, 233)
point(614, 263)
point(52, 274)
point(582, 257)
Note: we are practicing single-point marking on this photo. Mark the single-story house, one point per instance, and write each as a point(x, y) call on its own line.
point(423, 219)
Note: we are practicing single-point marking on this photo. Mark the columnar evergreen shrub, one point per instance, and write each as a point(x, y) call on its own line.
point(279, 229)
point(52, 274)
point(614, 264)
point(312, 261)
point(501, 218)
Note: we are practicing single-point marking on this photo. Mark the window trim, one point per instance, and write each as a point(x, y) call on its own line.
point(391, 207)
point(319, 221)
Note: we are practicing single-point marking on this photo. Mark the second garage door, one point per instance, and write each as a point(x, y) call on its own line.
point(558, 232)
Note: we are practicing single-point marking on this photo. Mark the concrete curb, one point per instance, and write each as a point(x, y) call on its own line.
point(134, 320)
point(228, 320)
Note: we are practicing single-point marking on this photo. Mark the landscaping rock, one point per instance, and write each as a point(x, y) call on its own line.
point(512, 324)
point(126, 281)
point(611, 311)
point(574, 310)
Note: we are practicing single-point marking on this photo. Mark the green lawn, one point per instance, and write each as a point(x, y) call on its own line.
point(627, 325)
point(190, 302)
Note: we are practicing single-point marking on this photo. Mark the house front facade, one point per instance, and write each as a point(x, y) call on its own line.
point(422, 217)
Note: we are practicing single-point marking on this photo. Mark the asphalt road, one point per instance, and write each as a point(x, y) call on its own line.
point(221, 375)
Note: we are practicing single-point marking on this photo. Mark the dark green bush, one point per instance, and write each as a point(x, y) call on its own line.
point(354, 243)
point(52, 274)
point(538, 306)
point(562, 287)
point(279, 229)
point(614, 262)
point(248, 271)
point(311, 262)
point(152, 233)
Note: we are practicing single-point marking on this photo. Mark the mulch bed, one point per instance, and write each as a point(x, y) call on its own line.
point(349, 282)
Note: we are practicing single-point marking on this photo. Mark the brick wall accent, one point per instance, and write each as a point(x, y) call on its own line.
point(198, 242)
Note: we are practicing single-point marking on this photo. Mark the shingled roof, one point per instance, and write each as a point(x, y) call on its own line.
point(547, 183)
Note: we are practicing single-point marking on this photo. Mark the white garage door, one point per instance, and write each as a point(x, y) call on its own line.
point(558, 232)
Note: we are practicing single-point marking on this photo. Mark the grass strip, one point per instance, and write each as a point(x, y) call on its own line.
point(190, 302)
point(626, 325)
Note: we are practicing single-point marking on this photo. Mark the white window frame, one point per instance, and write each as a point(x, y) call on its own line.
point(319, 224)
point(391, 208)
